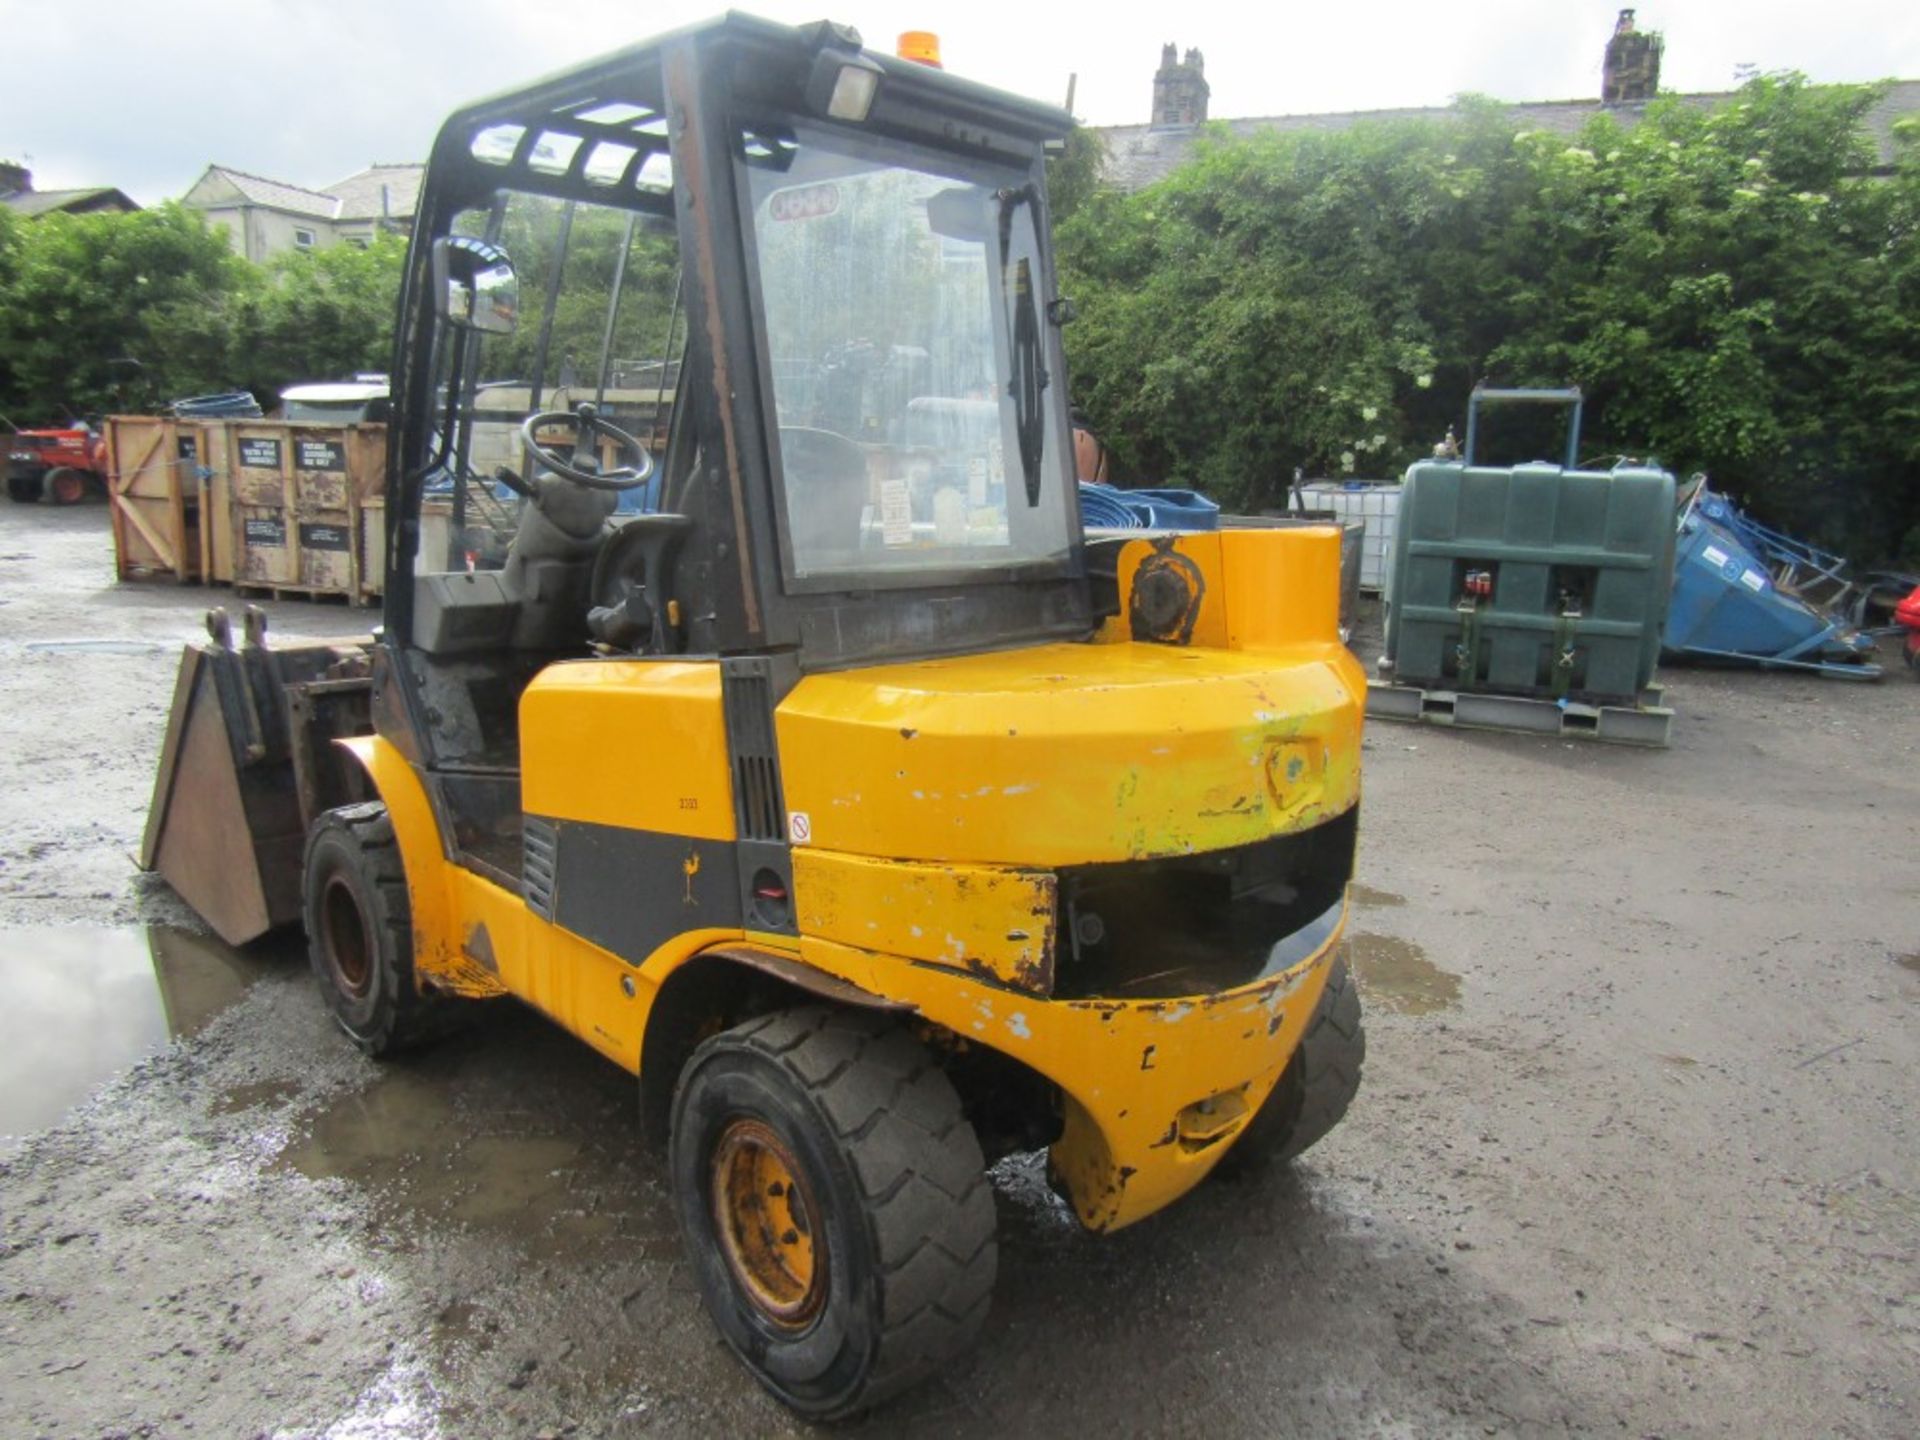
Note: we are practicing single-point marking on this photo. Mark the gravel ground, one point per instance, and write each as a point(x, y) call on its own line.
point(1634, 1155)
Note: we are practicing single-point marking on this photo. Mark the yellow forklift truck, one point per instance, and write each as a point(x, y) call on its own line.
point(877, 820)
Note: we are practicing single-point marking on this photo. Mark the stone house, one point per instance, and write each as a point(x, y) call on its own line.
point(264, 218)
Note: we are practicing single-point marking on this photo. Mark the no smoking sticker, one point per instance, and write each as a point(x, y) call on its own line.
point(799, 827)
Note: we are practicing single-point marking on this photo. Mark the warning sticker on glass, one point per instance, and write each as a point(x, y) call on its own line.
point(1753, 580)
point(896, 513)
point(804, 202)
point(1714, 556)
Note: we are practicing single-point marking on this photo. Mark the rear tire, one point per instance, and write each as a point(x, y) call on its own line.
point(835, 1206)
point(64, 485)
point(360, 931)
point(1319, 1083)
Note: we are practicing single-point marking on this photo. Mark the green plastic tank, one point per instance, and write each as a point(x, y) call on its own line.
point(1538, 580)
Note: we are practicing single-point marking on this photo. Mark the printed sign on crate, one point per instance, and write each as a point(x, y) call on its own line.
point(259, 452)
point(321, 455)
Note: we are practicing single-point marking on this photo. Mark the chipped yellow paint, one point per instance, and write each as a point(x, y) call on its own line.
point(1039, 757)
point(995, 922)
point(570, 979)
point(1074, 754)
point(1127, 1069)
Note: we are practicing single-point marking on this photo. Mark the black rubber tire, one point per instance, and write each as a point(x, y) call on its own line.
point(64, 485)
point(24, 489)
point(1320, 1081)
point(356, 895)
point(905, 1207)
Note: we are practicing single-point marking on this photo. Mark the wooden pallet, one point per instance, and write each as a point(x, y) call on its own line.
point(310, 594)
point(1647, 723)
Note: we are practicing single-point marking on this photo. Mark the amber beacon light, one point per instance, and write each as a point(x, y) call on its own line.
point(920, 46)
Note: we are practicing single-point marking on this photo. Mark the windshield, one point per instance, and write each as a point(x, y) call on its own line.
point(916, 433)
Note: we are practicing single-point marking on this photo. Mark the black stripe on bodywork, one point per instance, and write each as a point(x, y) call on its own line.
point(631, 891)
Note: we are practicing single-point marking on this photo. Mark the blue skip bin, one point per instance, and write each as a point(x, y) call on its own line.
point(1727, 608)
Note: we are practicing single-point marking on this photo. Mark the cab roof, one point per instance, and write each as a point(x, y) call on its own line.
point(600, 126)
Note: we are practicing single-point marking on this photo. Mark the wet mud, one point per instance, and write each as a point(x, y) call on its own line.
point(1397, 975)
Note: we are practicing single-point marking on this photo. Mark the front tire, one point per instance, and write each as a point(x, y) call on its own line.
point(360, 930)
point(835, 1205)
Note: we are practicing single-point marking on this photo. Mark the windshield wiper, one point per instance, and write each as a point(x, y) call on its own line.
point(1029, 381)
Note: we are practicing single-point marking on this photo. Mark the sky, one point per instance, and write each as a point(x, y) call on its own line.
point(145, 94)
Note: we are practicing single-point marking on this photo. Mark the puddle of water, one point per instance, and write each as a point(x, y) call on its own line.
point(1369, 898)
point(1396, 975)
point(255, 1095)
point(95, 647)
point(403, 1140)
point(83, 1005)
point(375, 1136)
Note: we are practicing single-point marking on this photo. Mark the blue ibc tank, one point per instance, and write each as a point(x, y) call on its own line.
point(1726, 607)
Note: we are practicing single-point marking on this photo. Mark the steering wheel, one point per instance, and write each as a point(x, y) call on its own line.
point(581, 467)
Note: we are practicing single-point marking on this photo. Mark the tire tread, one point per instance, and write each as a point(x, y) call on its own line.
point(915, 1159)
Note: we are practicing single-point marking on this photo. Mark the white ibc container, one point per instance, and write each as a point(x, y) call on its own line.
point(1376, 503)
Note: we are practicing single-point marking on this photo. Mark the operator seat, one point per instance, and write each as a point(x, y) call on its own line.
point(550, 563)
point(538, 601)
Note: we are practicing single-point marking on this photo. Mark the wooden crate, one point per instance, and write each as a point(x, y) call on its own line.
point(154, 496)
point(296, 493)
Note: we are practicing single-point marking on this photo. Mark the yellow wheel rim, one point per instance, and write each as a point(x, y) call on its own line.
point(764, 1215)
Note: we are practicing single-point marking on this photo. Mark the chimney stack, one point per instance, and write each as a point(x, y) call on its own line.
point(1631, 71)
point(1180, 90)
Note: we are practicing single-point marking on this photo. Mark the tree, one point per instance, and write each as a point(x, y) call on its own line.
point(320, 315)
point(101, 312)
point(1733, 288)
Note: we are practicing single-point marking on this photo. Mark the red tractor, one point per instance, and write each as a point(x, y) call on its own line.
point(60, 466)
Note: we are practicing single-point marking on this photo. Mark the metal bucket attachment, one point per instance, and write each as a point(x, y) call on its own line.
point(247, 762)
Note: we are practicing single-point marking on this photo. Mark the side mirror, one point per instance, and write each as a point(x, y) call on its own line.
point(474, 287)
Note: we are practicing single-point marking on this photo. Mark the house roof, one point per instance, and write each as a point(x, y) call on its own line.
point(47, 202)
point(1140, 155)
point(378, 192)
point(275, 194)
